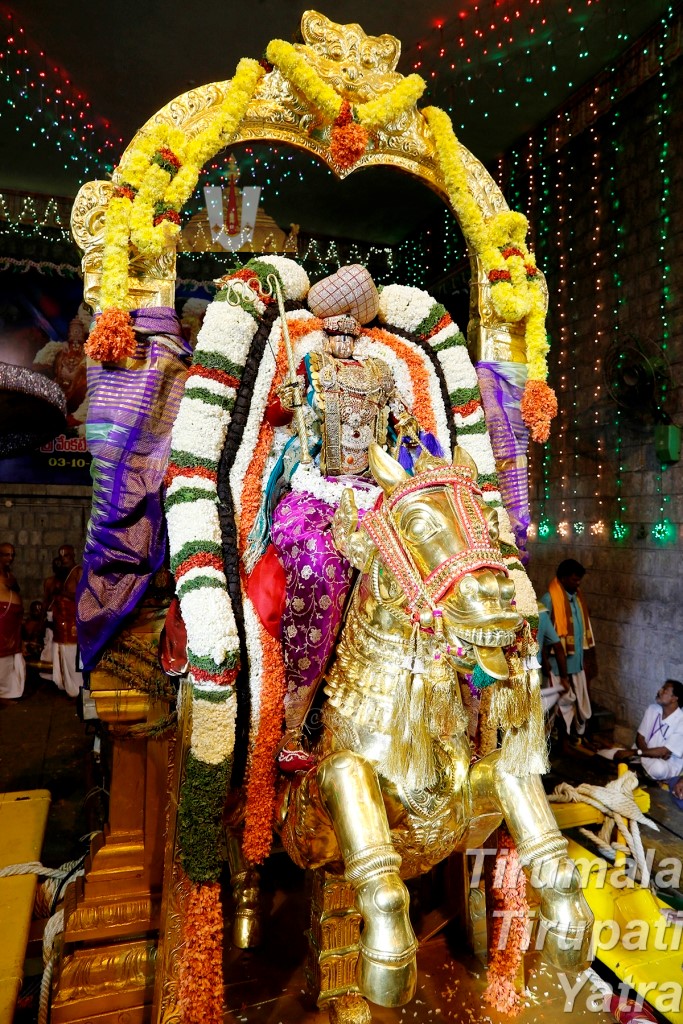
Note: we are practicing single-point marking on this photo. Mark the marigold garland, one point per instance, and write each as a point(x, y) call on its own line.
point(155, 178)
point(348, 140)
point(200, 970)
point(373, 115)
point(113, 337)
point(511, 914)
point(539, 406)
point(517, 289)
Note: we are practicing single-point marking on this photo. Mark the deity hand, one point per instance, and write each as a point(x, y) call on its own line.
point(291, 393)
point(407, 426)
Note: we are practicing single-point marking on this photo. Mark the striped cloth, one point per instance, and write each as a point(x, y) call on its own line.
point(132, 408)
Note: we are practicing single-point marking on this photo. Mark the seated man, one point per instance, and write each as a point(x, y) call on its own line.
point(659, 740)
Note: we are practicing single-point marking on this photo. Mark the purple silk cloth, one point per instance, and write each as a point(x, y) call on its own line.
point(132, 407)
point(501, 386)
point(318, 579)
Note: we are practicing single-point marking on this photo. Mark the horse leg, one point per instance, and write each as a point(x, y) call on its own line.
point(244, 880)
point(350, 792)
point(565, 919)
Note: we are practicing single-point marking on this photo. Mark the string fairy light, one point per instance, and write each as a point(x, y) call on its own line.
point(41, 94)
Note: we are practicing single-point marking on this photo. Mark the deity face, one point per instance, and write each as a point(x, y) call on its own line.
point(77, 334)
point(340, 346)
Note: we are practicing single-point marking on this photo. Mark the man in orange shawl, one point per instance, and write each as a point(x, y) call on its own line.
point(569, 614)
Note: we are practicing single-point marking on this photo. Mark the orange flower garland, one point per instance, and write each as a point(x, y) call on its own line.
point(348, 140)
point(200, 973)
point(422, 408)
point(509, 929)
point(258, 826)
point(538, 407)
point(113, 337)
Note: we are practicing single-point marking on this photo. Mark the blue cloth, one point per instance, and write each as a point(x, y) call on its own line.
point(575, 660)
point(676, 800)
point(546, 632)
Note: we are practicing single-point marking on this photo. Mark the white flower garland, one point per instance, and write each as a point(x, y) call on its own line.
point(259, 399)
point(404, 306)
point(307, 479)
point(195, 540)
point(213, 726)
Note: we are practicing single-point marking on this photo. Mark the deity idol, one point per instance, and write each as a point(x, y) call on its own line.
point(300, 584)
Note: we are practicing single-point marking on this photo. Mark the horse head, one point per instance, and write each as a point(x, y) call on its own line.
point(431, 547)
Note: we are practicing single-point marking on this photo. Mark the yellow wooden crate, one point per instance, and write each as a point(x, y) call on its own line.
point(23, 818)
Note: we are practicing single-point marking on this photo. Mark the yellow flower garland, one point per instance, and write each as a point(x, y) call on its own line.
point(374, 114)
point(152, 184)
point(514, 299)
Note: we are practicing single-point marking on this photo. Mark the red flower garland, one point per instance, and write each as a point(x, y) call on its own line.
point(112, 338)
point(510, 250)
point(499, 275)
point(538, 407)
point(125, 191)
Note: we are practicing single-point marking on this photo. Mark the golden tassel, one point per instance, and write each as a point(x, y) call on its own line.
point(416, 734)
point(396, 763)
point(519, 712)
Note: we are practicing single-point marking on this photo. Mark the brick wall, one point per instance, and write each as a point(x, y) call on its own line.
point(38, 521)
point(603, 212)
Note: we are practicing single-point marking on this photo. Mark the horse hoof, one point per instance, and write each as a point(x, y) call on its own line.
point(386, 972)
point(383, 983)
point(566, 919)
point(246, 931)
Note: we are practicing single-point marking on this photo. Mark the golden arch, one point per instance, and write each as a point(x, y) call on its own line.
point(358, 67)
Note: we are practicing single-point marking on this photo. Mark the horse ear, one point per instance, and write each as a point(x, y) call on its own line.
point(353, 543)
point(464, 459)
point(388, 473)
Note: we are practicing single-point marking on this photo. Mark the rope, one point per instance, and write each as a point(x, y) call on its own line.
point(51, 948)
point(615, 801)
point(32, 867)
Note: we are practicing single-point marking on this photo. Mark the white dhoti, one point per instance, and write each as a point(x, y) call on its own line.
point(64, 672)
point(575, 706)
point(12, 676)
point(660, 768)
point(46, 653)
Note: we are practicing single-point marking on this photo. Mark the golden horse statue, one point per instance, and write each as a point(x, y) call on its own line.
point(394, 792)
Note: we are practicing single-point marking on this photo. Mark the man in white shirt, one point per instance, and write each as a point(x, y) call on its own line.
point(659, 740)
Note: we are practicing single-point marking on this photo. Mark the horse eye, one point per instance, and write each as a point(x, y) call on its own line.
point(419, 527)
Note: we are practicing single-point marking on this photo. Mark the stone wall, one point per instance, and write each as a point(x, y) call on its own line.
point(613, 265)
point(38, 521)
